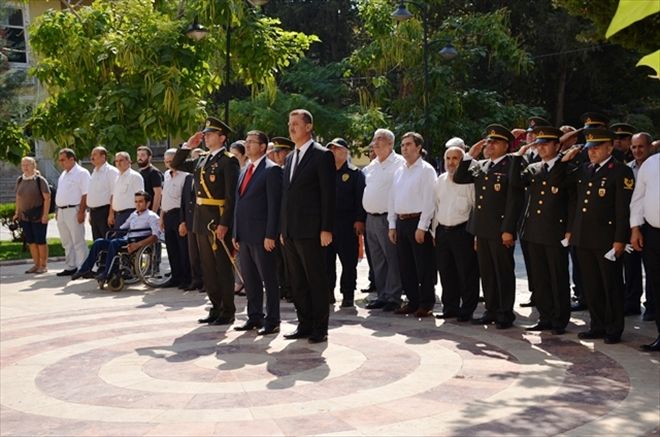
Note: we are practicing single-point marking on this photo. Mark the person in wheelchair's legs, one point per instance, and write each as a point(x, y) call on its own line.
point(140, 229)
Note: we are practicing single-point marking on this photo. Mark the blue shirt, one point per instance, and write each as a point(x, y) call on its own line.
point(144, 220)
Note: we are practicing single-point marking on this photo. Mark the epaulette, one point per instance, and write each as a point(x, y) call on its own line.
point(229, 154)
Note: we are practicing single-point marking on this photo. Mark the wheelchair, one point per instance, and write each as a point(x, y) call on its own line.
point(148, 264)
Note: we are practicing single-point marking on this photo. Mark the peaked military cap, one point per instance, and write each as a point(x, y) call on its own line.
point(339, 142)
point(499, 132)
point(593, 119)
point(532, 122)
point(281, 143)
point(214, 125)
point(546, 134)
point(597, 135)
point(622, 129)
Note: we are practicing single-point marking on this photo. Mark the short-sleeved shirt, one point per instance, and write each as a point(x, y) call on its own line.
point(29, 193)
point(72, 186)
point(153, 178)
point(123, 194)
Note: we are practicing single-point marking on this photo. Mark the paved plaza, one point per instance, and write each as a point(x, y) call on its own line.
point(78, 361)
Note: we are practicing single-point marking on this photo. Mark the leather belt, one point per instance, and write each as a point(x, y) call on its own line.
point(451, 228)
point(377, 214)
point(98, 207)
point(67, 206)
point(411, 216)
point(169, 211)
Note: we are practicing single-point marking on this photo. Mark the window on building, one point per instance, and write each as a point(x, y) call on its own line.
point(12, 32)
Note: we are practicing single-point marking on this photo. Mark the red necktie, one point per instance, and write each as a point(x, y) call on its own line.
point(246, 179)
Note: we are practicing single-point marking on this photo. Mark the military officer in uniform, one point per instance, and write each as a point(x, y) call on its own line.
point(544, 226)
point(216, 175)
point(623, 133)
point(349, 223)
point(493, 222)
point(600, 231)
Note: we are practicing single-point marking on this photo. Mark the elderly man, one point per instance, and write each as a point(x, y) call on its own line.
point(99, 197)
point(632, 262)
point(170, 219)
point(645, 236)
point(128, 183)
point(71, 201)
point(454, 245)
point(493, 222)
point(379, 176)
point(409, 213)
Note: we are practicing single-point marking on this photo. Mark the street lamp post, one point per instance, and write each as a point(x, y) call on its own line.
point(197, 32)
point(448, 52)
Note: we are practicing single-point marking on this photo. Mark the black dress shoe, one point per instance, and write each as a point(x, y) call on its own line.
point(483, 320)
point(578, 306)
point(446, 315)
point(79, 274)
point(375, 304)
point(539, 327)
point(66, 272)
point(590, 335)
point(648, 317)
point(317, 338)
point(248, 326)
point(391, 306)
point(207, 319)
point(370, 289)
point(558, 331)
point(295, 335)
point(347, 303)
point(269, 330)
point(222, 321)
point(612, 339)
point(463, 318)
point(503, 325)
point(652, 347)
point(527, 304)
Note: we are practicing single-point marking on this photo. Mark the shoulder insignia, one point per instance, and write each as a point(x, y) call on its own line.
point(628, 183)
point(229, 154)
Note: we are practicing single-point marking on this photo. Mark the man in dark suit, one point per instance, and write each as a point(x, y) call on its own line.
point(493, 222)
point(308, 207)
point(188, 201)
point(600, 228)
point(216, 174)
point(544, 226)
point(256, 228)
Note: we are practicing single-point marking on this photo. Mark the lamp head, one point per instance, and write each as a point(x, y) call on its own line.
point(402, 13)
point(448, 52)
point(196, 31)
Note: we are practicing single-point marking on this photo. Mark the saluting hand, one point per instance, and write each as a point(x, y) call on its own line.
point(525, 148)
point(476, 149)
point(570, 153)
point(195, 140)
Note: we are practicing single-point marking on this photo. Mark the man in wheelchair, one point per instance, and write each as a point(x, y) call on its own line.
point(139, 230)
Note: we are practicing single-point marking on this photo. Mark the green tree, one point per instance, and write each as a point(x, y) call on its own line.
point(119, 72)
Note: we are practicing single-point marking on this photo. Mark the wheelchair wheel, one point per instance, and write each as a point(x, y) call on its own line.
point(152, 265)
point(116, 283)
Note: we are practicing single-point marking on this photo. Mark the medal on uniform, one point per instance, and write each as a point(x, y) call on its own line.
point(345, 177)
point(212, 178)
point(601, 192)
point(497, 187)
point(554, 190)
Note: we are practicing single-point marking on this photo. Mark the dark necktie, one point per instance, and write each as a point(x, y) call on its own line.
point(594, 169)
point(490, 166)
point(246, 179)
point(295, 166)
point(546, 168)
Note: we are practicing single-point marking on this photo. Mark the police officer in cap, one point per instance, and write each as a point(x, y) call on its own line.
point(493, 222)
point(349, 223)
point(600, 230)
point(216, 175)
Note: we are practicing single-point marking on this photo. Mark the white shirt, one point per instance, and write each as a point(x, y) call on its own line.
point(645, 203)
point(635, 167)
point(128, 183)
point(172, 189)
point(378, 179)
point(101, 185)
point(453, 202)
point(147, 219)
point(72, 185)
point(301, 153)
point(413, 191)
point(551, 163)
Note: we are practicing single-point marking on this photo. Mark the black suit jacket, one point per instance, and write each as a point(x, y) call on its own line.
point(602, 207)
point(308, 200)
point(257, 211)
point(188, 201)
point(545, 220)
point(497, 205)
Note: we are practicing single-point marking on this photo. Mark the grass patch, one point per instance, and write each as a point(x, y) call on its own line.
point(10, 250)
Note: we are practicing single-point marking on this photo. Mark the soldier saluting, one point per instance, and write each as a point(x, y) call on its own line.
point(216, 176)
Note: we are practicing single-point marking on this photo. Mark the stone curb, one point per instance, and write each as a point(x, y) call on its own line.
point(18, 262)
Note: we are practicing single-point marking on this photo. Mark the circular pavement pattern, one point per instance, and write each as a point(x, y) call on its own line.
point(147, 370)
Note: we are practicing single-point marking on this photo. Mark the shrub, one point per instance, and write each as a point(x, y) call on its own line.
point(7, 211)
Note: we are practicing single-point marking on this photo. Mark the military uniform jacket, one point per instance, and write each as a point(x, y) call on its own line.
point(350, 184)
point(545, 217)
point(602, 205)
point(497, 206)
point(219, 174)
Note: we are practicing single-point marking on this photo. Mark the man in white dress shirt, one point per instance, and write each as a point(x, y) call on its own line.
point(454, 245)
point(71, 201)
point(645, 224)
point(409, 213)
point(379, 175)
point(128, 183)
point(99, 197)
